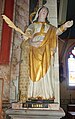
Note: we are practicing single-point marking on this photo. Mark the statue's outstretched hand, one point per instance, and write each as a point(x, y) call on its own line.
point(68, 24)
point(64, 27)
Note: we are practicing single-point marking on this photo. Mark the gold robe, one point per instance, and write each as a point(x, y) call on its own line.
point(40, 57)
point(43, 62)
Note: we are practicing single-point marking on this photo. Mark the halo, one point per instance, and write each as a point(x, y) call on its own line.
point(31, 16)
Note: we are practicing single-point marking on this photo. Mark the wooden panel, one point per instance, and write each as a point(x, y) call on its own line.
point(71, 107)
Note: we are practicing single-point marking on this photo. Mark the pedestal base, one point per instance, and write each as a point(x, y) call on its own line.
point(35, 113)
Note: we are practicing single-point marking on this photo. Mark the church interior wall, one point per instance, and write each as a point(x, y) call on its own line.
point(66, 94)
point(11, 71)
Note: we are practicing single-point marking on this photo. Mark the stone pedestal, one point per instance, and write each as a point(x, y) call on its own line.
point(35, 113)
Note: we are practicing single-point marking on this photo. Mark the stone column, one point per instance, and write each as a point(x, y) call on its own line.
point(21, 19)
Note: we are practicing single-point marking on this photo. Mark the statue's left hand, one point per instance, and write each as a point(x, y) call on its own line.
point(68, 24)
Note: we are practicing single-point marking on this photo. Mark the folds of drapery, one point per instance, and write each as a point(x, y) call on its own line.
point(40, 58)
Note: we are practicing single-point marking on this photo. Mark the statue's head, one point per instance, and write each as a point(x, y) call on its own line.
point(42, 12)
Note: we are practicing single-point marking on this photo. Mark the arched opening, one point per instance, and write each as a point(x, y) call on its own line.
point(71, 67)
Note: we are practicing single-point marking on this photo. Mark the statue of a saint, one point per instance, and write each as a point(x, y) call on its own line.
point(43, 55)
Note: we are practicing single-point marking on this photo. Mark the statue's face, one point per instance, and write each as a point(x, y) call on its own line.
point(43, 13)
